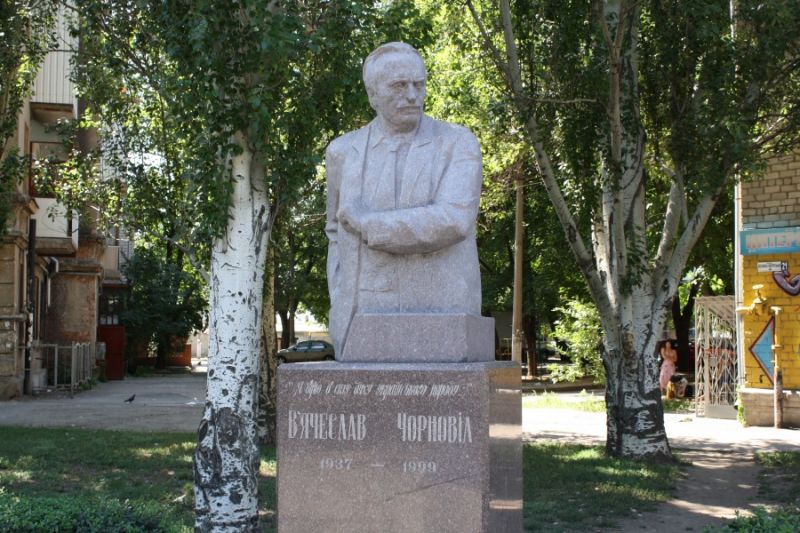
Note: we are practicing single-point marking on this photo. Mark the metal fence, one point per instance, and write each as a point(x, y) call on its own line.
point(62, 367)
point(715, 356)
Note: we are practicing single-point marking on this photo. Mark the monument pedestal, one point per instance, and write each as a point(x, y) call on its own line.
point(412, 447)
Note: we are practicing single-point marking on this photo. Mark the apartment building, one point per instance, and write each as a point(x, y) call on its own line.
point(53, 261)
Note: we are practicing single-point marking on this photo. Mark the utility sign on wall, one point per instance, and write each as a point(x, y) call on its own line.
point(770, 241)
point(773, 266)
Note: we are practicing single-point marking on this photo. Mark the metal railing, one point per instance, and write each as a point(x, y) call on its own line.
point(715, 356)
point(63, 367)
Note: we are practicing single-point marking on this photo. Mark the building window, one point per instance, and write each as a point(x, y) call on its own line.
point(110, 309)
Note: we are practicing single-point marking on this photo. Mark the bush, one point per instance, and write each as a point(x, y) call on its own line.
point(782, 520)
point(76, 514)
point(579, 328)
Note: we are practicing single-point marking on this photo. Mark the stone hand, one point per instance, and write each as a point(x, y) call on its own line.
point(350, 217)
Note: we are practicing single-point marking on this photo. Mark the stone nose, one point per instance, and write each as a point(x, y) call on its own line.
point(412, 94)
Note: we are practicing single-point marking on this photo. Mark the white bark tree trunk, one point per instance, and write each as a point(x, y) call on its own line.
point(631, 290)
point(635, 416)
point(226, 459)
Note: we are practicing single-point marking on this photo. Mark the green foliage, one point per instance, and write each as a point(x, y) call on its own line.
point(70, 513)
point(577, 488)
point(25, 28)
point(166, 302)
point(781, 520)
point(300, 252)
point(461, 93)
point(262, 67)
point(741, 416)
point(579, 329)
point(25, 38)
point(12, 167)
point(678, 405)
point(97, 480)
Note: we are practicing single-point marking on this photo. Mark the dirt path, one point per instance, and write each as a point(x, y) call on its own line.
point(721, 479)
point(717, 485)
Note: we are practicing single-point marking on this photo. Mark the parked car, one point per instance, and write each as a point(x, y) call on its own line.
point(313, 350)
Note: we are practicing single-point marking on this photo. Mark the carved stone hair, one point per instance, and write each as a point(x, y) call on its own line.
point(368, 71)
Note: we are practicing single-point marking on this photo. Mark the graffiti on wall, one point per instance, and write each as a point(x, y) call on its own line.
point(790, 284)
point(762, 348)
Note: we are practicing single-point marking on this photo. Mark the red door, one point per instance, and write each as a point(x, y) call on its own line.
point(114, 337)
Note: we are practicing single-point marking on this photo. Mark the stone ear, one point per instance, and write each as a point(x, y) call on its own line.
point(370, 96)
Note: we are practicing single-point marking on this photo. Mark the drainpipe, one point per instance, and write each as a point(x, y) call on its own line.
point(777, 373)
point(30, 304)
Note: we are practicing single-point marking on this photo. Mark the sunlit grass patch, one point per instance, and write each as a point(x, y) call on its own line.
point(143, 479)
point(593, 402)
point(571, 487)
point(550, 400)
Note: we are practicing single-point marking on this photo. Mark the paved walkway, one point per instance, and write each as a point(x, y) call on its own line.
point(683, 430)
point(162, 403)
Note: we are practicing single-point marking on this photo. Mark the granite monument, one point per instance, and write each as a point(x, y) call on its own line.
point(415, 427)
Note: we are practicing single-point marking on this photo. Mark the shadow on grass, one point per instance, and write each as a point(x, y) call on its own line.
point(573, 487)
point(567, 487)
point(133, 468)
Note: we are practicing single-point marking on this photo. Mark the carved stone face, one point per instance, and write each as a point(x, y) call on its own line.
point(398, 91)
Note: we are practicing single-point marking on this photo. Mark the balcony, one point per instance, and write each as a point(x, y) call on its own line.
point(114, 259)
point(56, 229)
point(54, 96)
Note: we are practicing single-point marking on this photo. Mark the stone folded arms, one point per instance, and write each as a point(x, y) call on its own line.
point(415, 230)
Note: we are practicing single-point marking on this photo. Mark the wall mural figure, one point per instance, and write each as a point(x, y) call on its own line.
point(790, 284)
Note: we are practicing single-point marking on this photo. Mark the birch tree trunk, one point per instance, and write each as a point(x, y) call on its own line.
point(635, 415)
point(632, 291)
point(226, 459)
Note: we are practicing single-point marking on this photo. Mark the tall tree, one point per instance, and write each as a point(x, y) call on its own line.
point(301, 248)
point(462, 93)
point(621, 101)
point(255, 90)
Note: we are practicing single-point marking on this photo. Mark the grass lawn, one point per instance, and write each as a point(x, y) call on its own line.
point(780, 478)
point(594, 402)
point(99, 480)
point(576, 488)
point(133, 481)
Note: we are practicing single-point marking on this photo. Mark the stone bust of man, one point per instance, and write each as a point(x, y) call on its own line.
point(403, 195)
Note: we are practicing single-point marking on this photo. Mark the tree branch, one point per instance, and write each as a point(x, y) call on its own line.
point(676, 210)
point(667, 282)
point(487, 40)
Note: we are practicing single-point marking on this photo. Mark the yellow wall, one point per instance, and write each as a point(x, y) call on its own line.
point(788, 323)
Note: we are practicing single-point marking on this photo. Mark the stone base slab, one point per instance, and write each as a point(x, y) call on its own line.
point(759, 407)
point(420, 338)
point(371, 448)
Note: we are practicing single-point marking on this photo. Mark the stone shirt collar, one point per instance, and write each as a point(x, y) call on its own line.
point(377, 136)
